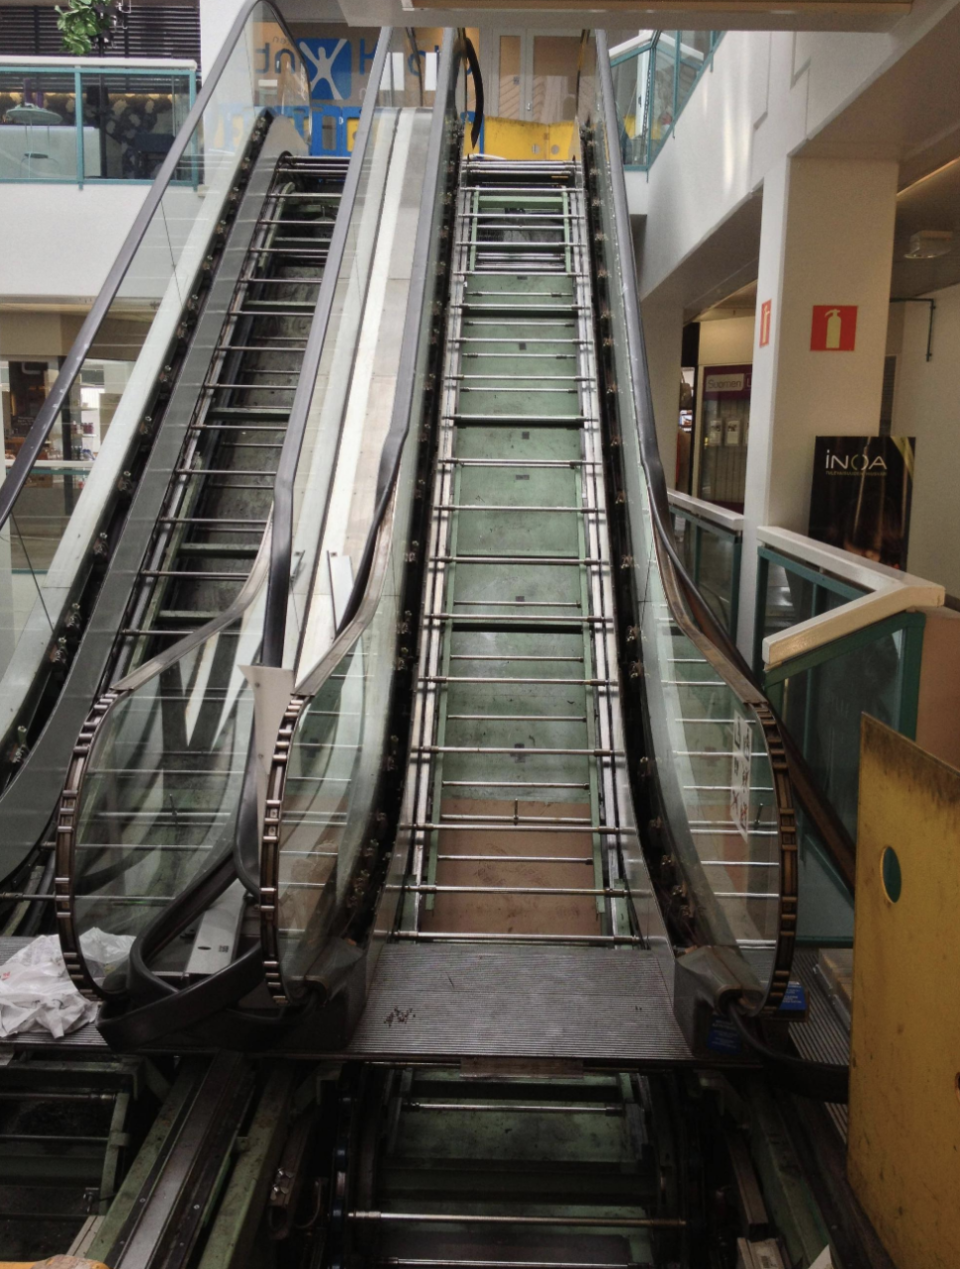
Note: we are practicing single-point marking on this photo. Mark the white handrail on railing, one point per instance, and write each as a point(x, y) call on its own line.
point(732, 521)
point(106, 65)
point(889, 592)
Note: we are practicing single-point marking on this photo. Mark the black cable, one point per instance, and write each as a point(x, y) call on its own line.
point(823, 1081)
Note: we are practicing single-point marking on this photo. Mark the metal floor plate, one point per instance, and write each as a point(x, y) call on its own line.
point(442, 1001)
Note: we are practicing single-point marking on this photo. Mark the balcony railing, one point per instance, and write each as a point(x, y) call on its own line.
point(73, 121)
point(653, 77)
point(709, 539)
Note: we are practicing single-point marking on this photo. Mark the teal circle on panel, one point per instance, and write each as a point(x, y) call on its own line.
point(890, 872)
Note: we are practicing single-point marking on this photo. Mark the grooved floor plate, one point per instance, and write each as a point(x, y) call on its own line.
point(589, 1003)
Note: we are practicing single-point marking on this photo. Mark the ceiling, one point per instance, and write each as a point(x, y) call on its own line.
point(717, 15)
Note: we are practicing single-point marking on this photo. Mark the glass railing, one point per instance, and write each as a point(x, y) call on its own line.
point(726, 821)
point(89, 120)
point(653, 77)
point(56, 530)
point(319, 847)
point(163, 792)
point(710, 541)
point(821, 694)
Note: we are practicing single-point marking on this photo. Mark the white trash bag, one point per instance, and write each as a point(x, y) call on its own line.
point(36, 993)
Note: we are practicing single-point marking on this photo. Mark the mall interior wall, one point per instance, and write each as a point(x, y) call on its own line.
point(927, 406)
point(766, 95)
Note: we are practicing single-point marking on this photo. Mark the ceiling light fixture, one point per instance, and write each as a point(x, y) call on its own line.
point(929, 243)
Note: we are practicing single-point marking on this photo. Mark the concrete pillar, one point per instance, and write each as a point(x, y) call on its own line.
point(663, 335)
point(216, 19)
point(826, 238)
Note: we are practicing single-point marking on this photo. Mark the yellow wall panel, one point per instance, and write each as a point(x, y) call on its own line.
point(904, 1144)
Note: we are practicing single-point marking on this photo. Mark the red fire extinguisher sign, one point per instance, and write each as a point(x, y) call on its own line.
point(834, 328)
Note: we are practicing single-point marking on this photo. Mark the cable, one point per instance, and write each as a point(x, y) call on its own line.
point(823, 1081)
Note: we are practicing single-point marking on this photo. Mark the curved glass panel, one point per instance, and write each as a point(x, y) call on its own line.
point(163, 785)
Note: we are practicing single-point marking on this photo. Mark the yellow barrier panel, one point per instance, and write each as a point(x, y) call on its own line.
point(517, 139)
point(904, 1145)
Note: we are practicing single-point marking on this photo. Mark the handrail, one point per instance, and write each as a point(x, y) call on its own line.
point(375, 560)
point(714, 641)
point(730, 521)
point(889, 592)
point(36, 438)
point(687, 607)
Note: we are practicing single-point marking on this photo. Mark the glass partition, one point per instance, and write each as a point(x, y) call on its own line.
point(50, 538)
point(822, 695)
point(653, 79)
point(77, 122)
point(711, 555)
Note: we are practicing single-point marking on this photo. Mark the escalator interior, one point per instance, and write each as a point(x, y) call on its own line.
point(149, 828)
point(512, 787)
point(218, 506)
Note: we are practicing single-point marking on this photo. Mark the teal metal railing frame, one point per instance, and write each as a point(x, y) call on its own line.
point(702, 526)
point(651, 47)
point(775, 678)
point(912, 624)
point(131, 72)
point(819, 581)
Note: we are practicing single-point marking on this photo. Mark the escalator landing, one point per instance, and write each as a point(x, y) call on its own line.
point(442, 1001)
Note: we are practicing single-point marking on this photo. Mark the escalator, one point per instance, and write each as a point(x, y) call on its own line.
point(161, 588)
point(551, 800)
point(522, 736)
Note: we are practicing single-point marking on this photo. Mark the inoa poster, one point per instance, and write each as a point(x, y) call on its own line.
point(860, 500)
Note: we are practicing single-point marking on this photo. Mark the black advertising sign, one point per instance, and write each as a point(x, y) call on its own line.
point(860, 501)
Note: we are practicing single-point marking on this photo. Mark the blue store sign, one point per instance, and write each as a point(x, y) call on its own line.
point(329, 67)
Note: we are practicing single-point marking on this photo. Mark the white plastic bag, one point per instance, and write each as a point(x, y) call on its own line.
point(36, 993)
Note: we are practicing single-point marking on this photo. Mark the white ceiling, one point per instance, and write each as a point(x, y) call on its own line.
point(716, 15)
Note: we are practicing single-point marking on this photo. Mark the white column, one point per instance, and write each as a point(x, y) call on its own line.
point(216, 19)
point(826, 238)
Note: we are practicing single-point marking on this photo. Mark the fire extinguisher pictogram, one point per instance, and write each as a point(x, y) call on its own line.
point(834, 328)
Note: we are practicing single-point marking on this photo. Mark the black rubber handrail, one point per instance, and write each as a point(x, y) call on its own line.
point(42, 426)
